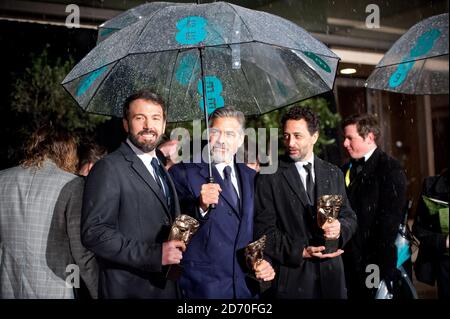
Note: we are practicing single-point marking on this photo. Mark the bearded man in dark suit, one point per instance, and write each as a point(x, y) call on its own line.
point(129, 205)
point(285, 211)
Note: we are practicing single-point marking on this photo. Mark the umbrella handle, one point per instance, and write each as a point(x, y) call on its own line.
point(212, 206)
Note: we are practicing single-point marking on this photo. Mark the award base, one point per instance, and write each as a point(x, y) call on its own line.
point(331, 246)
point(174, 272)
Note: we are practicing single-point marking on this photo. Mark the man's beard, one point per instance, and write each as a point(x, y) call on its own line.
point(219, 157)
point(297, 158)
point(145, 147)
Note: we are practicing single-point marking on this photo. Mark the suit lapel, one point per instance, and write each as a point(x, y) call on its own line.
point(368, 169)
point(322, 181)
point(176, 207)
point(225, 195)
point(246, 191)
point(293, 178)
point(142, 172)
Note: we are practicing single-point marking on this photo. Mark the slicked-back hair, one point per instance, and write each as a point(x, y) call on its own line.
point(365, 124)
point(146, 95)
point(228, 111)
point(297, 113)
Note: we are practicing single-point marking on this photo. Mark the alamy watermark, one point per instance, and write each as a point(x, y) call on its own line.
point(73, 278)
point(373, 19)
point(73, 19)
point(261, 147)
point(373, 277)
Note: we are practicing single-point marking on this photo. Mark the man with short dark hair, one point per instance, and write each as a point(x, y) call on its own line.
point(376, 188)
point(128, 208)
point(89, 153)
point(214, 264)
point(285, 211)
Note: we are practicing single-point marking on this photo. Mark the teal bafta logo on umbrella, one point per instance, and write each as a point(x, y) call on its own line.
point(417, 63)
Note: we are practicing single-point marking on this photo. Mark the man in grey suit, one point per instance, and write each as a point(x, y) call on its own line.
point(129, 205)
point(40, 210)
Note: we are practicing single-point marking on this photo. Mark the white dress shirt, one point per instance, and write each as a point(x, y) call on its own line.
point(220, 167)
point(302, 171)
point(368, 155)
point(146, 158)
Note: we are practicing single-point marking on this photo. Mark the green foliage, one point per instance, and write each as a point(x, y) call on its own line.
point(328, 120)
point(38, 97)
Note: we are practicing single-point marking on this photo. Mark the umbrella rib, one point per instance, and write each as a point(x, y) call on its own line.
point(420, 73)
point(99, 85)
point(216, 46)
point(254, 97)
point(170, 83)
point(142, 30)
point(401, 62)
point(232, 8)
point(248, 84)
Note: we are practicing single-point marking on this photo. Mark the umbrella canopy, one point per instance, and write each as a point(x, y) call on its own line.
point(417, 63)
point(131, 16)
point(250, 59)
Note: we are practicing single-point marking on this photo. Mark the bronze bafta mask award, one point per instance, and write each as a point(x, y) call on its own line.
point(328, 208)
point(183, 228)
point(254, 252)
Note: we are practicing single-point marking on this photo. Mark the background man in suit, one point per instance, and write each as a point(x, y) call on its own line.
point(285, 211)
point(376, 188)
point(214, 266)
point(129, 206)
point(40, 212)
point(89, 153)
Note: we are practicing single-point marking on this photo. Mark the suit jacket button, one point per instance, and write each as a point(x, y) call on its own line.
point(166, 220)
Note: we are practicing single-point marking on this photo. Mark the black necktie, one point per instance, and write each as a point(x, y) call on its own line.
point(161, 179)
point(230, 187)
point(309, 183)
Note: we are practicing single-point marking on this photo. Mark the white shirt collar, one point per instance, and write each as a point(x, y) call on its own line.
point(369, 154)
point(221, 166)
point(145, 157)
point(300, 164)
point(302, 171)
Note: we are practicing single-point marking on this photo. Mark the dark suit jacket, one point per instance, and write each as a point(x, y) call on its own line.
point(125, 221)
point(378, 196)
point(284, 214)
point(213, 262)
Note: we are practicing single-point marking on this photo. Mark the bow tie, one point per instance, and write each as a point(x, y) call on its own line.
point(358, 162)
